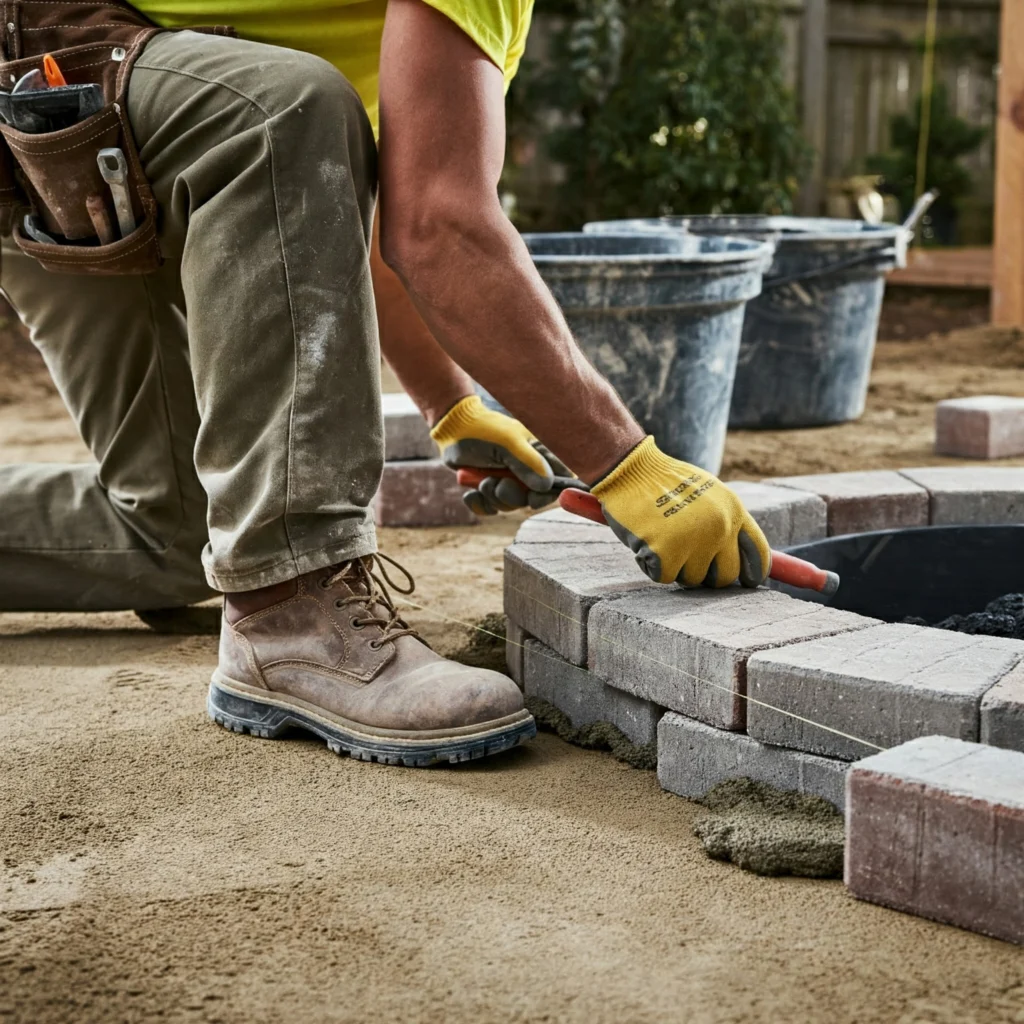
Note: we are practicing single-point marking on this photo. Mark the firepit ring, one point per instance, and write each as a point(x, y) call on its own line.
point(928, 572)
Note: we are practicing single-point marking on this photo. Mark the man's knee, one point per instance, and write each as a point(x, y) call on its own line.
point(323, 122)
point(312, 87)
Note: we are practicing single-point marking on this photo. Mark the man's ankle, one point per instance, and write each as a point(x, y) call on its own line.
point(246, 602)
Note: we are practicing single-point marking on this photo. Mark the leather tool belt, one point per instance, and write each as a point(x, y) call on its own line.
point(62, 205)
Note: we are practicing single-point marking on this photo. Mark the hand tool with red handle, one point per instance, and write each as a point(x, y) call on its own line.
point(785, 568)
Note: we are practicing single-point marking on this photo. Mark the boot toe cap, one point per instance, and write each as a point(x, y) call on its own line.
point(447, 695)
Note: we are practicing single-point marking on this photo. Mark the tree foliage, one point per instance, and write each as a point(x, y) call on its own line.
point(950, 139)
point(666, 106)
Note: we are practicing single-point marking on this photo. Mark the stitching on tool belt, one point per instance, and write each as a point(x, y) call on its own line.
point(83, 28)
point(66, 149)
point(86, 258)
point(110, 115)
point(82, 67)
point(65, 61)
point(143, 186)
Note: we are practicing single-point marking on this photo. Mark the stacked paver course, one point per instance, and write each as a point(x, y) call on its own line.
point(417, 489)
point(761, 684)
point(872, 716)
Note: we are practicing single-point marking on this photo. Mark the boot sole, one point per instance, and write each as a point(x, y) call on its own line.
point(239, 709)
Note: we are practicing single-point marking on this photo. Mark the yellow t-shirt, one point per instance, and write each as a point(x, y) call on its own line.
point(347, 32)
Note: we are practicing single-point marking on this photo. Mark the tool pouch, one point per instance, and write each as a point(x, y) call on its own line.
point(55, 173)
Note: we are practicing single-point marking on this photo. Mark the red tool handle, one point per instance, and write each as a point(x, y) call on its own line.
point(475, 477)
point(785, 568)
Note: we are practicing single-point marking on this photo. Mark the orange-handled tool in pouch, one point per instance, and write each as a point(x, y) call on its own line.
point(53, 73)
point(787, 569)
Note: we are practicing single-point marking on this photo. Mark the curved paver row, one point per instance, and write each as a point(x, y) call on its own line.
point(592, 635)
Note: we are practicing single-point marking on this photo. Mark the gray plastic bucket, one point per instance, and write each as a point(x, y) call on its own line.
point(660, 316)
point(809, 338)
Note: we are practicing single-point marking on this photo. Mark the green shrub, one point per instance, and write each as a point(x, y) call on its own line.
point(664, 106)
point(950, 138)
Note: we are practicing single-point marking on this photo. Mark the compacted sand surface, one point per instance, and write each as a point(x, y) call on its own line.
point(158, 867)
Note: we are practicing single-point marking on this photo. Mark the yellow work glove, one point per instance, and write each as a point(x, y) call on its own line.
point(682, 524)
point(471, 436)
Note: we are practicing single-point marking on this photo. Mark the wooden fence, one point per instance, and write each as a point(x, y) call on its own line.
point(855, 63)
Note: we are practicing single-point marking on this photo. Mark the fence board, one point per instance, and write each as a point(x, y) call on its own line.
point(874, 71)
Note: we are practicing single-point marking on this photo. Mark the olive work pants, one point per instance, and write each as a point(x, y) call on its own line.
point(231, 399)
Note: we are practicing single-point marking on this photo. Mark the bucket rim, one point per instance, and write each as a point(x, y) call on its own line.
point(864, 232)
point(742, 251)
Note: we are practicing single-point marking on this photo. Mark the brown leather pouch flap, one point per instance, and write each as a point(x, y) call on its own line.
point(61, 167)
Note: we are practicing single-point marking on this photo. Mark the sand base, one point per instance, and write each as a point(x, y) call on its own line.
point(158, 867)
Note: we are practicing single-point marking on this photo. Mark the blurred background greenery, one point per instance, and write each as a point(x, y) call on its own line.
point(646, 107)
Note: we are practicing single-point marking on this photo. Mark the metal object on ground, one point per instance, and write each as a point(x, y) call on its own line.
point(114, 169)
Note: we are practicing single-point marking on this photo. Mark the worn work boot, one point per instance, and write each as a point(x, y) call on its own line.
point(332, 655)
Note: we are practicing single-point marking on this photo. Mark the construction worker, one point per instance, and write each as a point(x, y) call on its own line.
point(231, 396)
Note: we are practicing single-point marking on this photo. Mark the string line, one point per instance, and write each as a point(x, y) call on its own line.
point(664, 664)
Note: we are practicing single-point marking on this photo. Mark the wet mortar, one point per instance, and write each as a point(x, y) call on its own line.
point(595, 736)
point(770, 832)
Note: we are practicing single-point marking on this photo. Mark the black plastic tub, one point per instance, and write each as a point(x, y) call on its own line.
point(929, 572)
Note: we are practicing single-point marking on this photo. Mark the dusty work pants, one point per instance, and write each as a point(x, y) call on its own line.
point(231, 400)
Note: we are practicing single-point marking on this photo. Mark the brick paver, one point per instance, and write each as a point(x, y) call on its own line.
point(584, 698)
point(687, 649)
point(421, 492)
point(693, 758)
point(968, 495)
point(982, 427)
point(886, 685)
point(559, 527)
point(866, 501)
point(515, 644)
point(406, 434)
point(936, 828)
point(786, 516)
point(1002, 712)
point(550, 589)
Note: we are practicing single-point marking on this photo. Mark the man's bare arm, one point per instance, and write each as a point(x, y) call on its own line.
point(429, 375)
point(465, 267)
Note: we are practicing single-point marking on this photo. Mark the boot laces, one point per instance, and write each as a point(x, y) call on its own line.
point(369, 580)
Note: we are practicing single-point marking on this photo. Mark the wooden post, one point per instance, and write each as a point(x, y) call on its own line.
point(1008, 270)
point(814, 97)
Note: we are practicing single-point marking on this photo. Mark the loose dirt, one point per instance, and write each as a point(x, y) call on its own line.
point(156, 867)
point(1002, 617)
point(897, 429)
